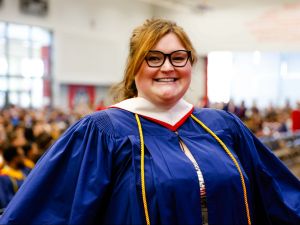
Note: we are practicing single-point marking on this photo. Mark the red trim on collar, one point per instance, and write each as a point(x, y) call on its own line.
point(167, 125)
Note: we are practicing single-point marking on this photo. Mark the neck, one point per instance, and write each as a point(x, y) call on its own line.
point(164, 107)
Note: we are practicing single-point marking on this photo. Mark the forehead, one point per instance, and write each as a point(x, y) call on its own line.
point(169, 43)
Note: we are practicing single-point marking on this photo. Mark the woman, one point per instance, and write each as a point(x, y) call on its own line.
point(153, 158)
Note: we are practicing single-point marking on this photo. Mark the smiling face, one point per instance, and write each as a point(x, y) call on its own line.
point(164, 85)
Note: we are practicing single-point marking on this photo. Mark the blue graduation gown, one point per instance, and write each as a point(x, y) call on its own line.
point(91, 175)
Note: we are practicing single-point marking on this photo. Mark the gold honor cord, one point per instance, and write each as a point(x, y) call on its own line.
point(143, 170)
point(233, 159)
point(14, 184)
point(218, 140)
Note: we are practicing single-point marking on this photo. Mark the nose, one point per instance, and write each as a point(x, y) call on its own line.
point(167, 66)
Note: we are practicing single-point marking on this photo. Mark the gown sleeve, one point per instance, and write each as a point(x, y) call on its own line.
point(276, 190)
point(69, 183)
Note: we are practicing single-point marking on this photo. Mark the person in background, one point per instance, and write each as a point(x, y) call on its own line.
point(12, 175)
point(153, 158)
point(17, 137)
point(230, 106)
point(31, 154)
point(255, 121)
point(14, 163)
point(101, 105)
point(295, 118)
point(241, 111)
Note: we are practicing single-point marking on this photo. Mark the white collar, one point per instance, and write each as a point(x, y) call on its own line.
point(171, 118)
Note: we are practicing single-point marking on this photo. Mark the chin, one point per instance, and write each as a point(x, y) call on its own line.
point(169, 100)
point(172, 95)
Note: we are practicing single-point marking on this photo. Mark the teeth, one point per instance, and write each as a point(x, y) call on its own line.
point(165, 79)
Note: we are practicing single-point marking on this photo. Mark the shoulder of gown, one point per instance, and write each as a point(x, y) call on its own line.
point(70, 182)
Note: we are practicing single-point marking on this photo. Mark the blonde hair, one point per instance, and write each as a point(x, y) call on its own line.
point(143, 38)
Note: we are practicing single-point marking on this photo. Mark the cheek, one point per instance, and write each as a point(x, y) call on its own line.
point(187, 74)
point(144, 77)
point(140, 81)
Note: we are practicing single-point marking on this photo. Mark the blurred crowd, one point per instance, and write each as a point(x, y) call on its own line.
point(269, 121)
point(25, 134)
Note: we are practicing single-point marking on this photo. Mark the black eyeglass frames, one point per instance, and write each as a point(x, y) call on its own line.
point(177, 58)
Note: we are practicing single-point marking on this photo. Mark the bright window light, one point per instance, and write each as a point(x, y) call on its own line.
point(3, 65)
point(219, 76)
point(256, 57)
point(32, 68)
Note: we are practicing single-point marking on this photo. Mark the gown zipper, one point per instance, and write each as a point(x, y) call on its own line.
point(189, 155)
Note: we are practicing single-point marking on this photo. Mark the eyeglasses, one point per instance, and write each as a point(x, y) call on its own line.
point(177, 58)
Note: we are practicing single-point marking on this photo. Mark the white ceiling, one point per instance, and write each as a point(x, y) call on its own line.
point(236, 24)
point(264, 25)
point(206, 5)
